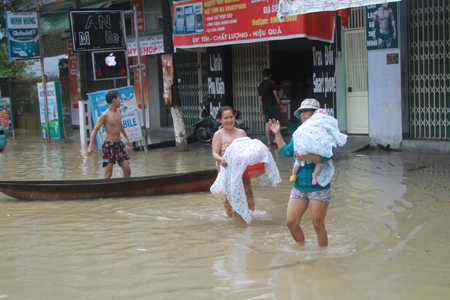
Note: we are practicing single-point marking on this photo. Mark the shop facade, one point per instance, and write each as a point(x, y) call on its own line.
point(389, 93)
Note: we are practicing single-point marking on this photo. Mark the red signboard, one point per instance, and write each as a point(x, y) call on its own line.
point(222, 22)
point(140, 15)
point(144, 51)
point(73, 83)
point(137, 87)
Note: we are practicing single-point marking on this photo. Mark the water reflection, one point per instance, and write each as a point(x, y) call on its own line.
point(388, 225)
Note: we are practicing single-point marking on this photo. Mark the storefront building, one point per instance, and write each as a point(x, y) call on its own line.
point(389, 91)
point(392, 88)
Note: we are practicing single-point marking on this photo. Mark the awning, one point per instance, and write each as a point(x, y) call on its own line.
point(53, 22)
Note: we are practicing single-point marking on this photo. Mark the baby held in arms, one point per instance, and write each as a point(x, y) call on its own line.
point(318, 135)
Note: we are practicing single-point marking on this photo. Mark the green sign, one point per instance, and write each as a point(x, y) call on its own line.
point(54, 110)
point(23, 35)
point(5, 114)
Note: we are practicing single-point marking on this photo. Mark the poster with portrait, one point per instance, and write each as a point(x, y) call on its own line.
point(382, 26)
point(128, 108)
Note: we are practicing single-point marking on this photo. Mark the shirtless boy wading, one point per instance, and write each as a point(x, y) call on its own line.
point(113, 148)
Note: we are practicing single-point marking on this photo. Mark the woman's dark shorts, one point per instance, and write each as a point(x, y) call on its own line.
point(114, 151)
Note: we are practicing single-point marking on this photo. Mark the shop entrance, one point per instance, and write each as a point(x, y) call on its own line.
point(291, 62)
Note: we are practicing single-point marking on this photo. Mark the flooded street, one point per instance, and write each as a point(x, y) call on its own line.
point(388, 225)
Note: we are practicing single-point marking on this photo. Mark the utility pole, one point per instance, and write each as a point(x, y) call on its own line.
point(81, 62)
point(44, 81)
point(175, 108)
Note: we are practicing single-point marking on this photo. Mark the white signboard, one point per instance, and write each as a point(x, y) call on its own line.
point(300, 7)
point(129, 110)
point(148, 45)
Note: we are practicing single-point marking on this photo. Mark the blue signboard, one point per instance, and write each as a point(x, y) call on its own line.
point(128, 108)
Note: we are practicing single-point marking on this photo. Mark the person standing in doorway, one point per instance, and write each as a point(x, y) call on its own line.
point(270, 102)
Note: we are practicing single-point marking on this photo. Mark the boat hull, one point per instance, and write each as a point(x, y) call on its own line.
point(110, 188)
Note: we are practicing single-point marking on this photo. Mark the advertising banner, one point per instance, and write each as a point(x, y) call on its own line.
point(167, 70)
point(324, 79)
point(54, 109)
point(5, 114)
point(148, 44)
point(381, 26)
point(223, 22)
point(128, 108)
point(22, 31)
point(294, 7)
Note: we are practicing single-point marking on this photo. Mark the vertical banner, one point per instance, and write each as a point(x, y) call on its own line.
point(219, 78)
point(73, 83)
point(140, 15)
point(137, 88)
point(167, 70)
point(54, 109)
point(22, 31)
point(128, 108)
point(324, 80)
point(6, 114)
point(381, 26)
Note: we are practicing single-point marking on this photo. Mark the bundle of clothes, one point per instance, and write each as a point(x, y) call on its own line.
point(243, 152)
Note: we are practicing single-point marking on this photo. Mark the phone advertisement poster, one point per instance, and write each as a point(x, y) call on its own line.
point(128, 109)
point(5, 114)
point(54, 109)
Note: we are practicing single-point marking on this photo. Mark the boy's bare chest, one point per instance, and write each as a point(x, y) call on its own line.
point(113, 118)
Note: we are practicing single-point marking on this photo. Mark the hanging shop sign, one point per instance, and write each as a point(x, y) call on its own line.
point(109, 64)
point(5, 114)
point(224, 22)
point(22, 30)
point(295, 7)
point(54, 109)
point(97, 30)
point(324, 79)
point(381, 26)
point(128, 108)
point(148, 44)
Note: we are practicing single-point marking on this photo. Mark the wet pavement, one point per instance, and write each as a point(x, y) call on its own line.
point(388, 231)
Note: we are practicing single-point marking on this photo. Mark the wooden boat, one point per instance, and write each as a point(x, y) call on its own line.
point(108, 188)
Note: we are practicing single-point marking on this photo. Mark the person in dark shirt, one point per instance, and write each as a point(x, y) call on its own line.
point(270, 102)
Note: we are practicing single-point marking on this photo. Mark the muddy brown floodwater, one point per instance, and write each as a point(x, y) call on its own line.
point(388, 226)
